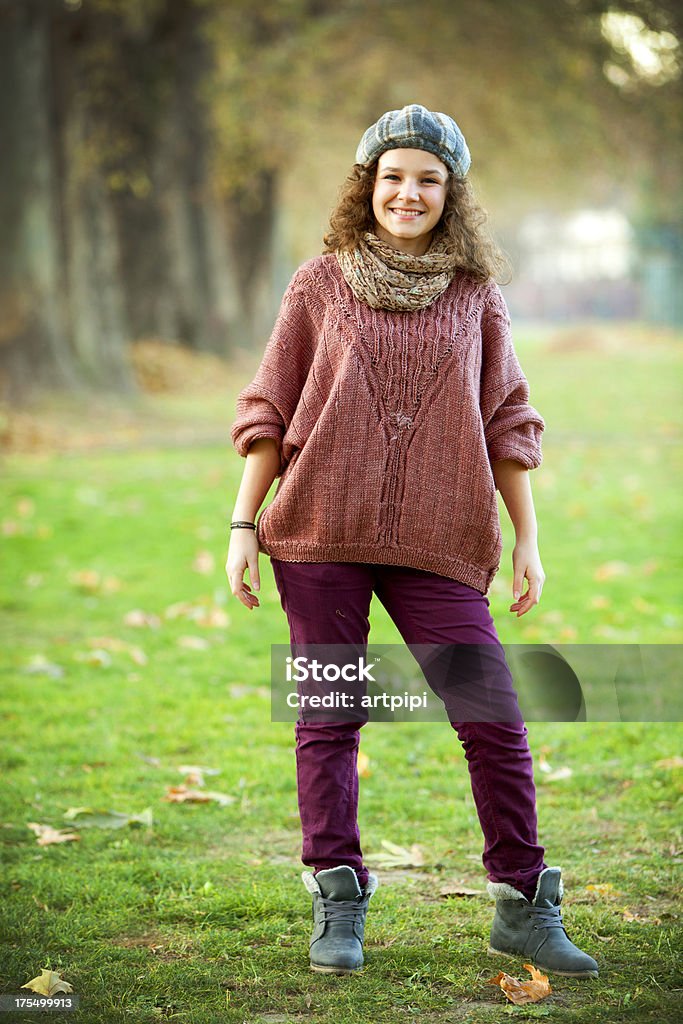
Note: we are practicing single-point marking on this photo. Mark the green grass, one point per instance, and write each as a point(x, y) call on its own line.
point(203, 917)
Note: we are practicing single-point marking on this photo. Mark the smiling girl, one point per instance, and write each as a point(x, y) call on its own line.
point(391, 404)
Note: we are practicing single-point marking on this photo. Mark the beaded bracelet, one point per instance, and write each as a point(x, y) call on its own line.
point(240, 523)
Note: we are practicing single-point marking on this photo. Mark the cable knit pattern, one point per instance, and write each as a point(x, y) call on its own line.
point(387, 423)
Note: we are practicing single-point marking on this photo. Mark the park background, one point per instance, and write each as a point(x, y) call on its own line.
point(166, 166)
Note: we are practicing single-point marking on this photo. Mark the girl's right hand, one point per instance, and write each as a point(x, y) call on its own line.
point(243, 553)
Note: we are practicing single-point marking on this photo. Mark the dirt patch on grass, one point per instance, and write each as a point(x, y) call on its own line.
point(163, 947)
point(433, 886)
point(481, 1009)
point(184, 398)
point(275, 847)
point(406, 876)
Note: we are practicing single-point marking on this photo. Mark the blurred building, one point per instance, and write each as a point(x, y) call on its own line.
point(578, 266)
point(661, 273)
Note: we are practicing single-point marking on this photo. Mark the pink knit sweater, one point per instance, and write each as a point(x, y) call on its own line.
point(387, 424)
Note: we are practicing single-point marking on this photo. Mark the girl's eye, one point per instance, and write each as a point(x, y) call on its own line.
point(431, 181)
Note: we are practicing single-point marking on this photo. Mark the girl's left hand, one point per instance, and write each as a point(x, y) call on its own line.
point(526, 564)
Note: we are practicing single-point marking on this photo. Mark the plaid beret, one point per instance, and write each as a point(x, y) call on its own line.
point(415, 127)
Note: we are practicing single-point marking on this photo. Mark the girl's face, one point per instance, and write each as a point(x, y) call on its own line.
point(408, 198)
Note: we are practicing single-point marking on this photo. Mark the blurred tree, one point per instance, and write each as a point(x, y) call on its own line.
point(61, 256)
point(147, 143)
point(108, 227)
point(645, 65)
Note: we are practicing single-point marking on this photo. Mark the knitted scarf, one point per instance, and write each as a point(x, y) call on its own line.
point(386, 278)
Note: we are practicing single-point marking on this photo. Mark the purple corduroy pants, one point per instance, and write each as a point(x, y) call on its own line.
point(329, 603)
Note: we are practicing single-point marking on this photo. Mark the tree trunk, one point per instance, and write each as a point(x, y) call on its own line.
point(64, 322)
point(95, 299)
point(33, 333)
point(180, 275)
point(251, 224)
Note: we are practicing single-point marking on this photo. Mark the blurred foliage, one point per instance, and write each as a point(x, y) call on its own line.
point(177, 144)
point(531, 82)
point(526, 81)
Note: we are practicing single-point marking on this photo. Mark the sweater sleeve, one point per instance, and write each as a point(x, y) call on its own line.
point(265, 407)
point(512, 427)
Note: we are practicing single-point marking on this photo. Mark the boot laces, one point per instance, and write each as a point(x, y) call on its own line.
point(548, 916)
point(342, 910)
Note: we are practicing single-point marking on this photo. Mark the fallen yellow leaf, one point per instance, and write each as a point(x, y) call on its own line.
point(112, 643)
point(397, 856)
point(194, 774)
point(608, 570)
point(568, 633)
point(458, 890)
point(140, 618)
point(48, 983)
point(86, 579)
point(202, 614)
point(640, 918)
point(521, 992)
point(193, 643)
point(25, 507)
point(214, 617)
point(183, 795)
point(603, 889)
point(48, 835)
point(204, 563)
point(670, 762)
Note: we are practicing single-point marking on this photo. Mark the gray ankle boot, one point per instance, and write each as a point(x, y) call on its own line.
point(339, 909)
point(535, 930)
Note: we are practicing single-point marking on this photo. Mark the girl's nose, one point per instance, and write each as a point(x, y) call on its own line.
point(409, 190)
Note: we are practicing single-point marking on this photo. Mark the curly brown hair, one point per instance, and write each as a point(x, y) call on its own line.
point(462, 222)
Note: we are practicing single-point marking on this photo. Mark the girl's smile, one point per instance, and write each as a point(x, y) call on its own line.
point(408, 198)
point(405, 214)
